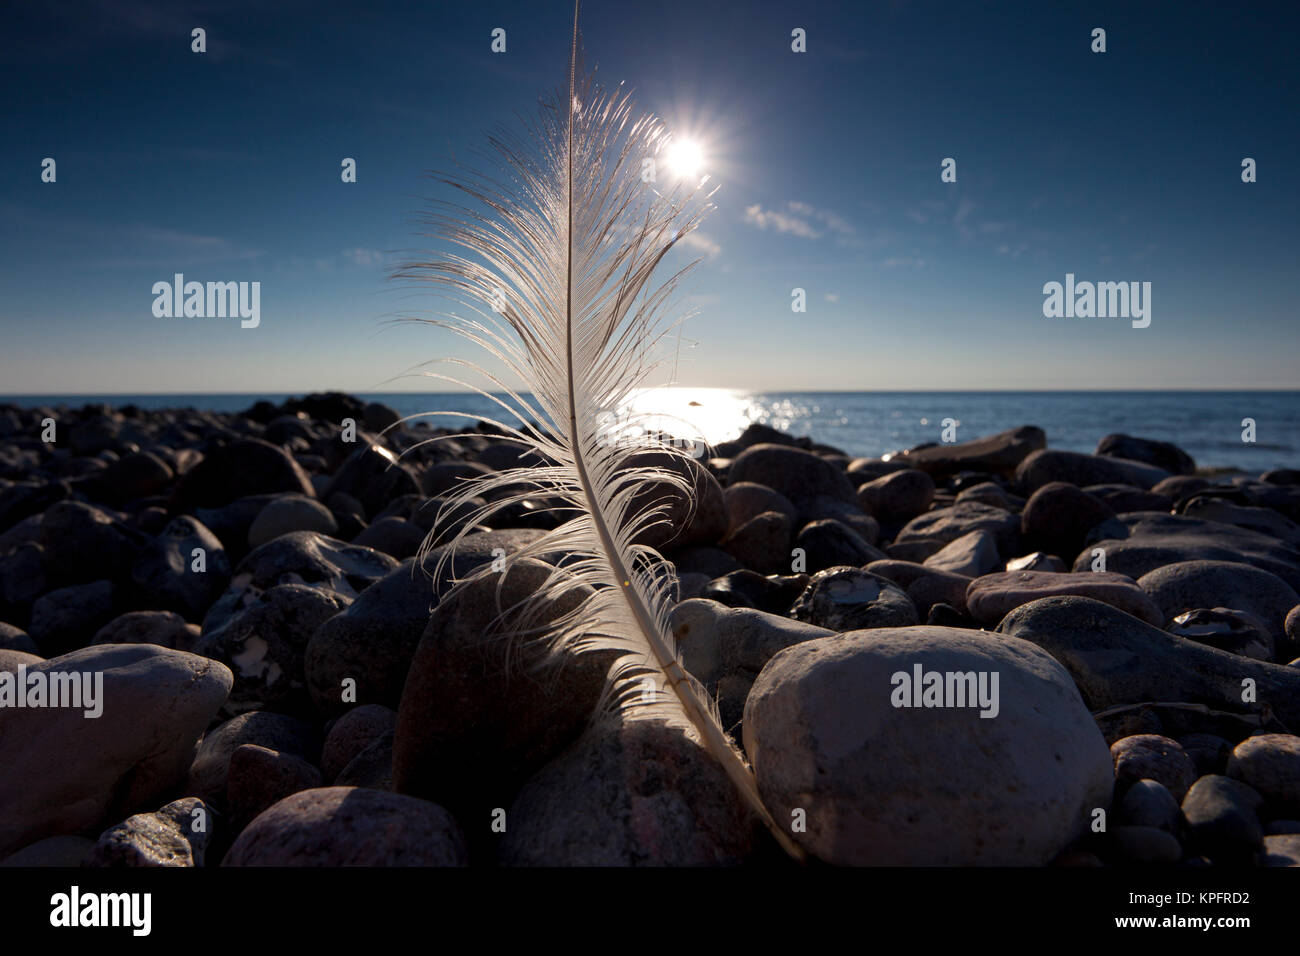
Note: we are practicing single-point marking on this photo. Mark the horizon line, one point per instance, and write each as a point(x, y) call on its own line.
point(724, 388)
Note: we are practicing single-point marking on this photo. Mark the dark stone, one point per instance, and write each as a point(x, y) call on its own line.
point(1223, 820)
point(247, 466)
point(829, 543)
point(68, 618)
point(164, 573)
point(1161, 454)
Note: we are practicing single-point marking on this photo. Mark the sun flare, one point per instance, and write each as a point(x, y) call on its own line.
point(685, 158)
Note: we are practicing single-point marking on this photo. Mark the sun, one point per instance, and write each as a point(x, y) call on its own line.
point(685, 158)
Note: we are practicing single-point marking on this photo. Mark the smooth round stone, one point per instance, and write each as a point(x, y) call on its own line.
point(1270, 763)
point(697, 517)
point(881, 784)
point(352, 733)
point(725, 648)
point(15, 639)
point(1193, 585)
point(1054, 464)
point(898, 496)
point(289, 513)
point(1126, 498)
point(380, 417)
point(65, 772)
point(455, 741)
point(828, 543)
point(67, 618)
point(1138, 844)
point(971, 555)
point(1223, 820)
point(762, 543)
point(1058, 516)
point(1152, 757)
point(350, 826)
point(393, 536)
point(1161, 454)
point(999, 454)
point(945, 525)
point(164, 628)
point(1118, 661)
point(259, 777)
point(746, 500)
point(994, 596)
point(1148, 803)
point(374, 476)
point(793, 472)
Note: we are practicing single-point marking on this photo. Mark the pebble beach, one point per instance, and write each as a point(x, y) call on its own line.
point(990, 652)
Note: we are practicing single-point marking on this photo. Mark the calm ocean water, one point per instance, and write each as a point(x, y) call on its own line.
point(1207, 425)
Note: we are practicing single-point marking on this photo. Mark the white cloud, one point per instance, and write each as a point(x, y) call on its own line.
point(756, 215)
point(800, 218)
point(701, 244)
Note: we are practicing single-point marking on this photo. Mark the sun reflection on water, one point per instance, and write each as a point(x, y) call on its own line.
point(716, 414)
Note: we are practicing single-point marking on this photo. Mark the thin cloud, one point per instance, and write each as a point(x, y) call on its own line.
point(800, 219)
point(701, 244)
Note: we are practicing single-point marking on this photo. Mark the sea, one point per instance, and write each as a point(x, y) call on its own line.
point(1223, 431)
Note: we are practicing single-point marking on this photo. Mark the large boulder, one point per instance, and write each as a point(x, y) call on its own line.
point(1008, 775)
point(67, 771)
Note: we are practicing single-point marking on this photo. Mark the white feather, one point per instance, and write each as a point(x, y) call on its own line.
point(566, 248)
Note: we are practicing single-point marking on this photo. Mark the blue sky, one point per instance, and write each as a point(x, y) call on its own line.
point(1122, 166)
